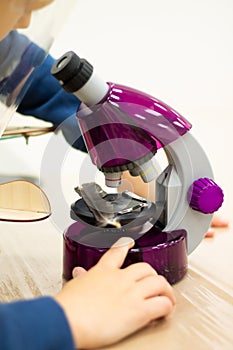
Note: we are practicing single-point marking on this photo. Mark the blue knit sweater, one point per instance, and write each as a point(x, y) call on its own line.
point(38, 324)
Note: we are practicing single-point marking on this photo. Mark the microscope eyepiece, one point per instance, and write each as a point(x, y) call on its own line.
point(72, 71)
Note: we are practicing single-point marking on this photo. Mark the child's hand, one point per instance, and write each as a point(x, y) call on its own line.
point(107, 303)
point(217, 221)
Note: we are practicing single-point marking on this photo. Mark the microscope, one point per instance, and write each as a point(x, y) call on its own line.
point(125, 130)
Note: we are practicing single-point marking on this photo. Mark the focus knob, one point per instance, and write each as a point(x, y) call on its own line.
point(205, 196)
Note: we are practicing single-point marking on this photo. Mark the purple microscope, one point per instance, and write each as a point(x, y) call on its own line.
point(126, 129)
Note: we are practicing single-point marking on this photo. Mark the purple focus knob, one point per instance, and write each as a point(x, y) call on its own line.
point(205, 196)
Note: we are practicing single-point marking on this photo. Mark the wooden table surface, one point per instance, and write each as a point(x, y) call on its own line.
point(31, 265)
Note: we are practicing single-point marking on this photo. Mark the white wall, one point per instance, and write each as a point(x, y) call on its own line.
point(179, 51)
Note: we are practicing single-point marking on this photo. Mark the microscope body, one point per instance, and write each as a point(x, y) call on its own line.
point(124, 129)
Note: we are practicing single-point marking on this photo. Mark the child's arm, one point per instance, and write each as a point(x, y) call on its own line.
point(46, 100)
point(34, 324)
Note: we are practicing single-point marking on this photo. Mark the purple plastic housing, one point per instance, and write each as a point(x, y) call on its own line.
point(166, 252)
point(128, 126)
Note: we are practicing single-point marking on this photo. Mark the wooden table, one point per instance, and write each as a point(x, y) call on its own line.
point(31, 260)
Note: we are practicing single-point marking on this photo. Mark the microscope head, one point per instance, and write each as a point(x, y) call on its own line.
point(125, 130)
point(122, 127)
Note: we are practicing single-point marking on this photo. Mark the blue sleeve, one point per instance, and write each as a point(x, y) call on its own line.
point(46, 100)
point(38, 324)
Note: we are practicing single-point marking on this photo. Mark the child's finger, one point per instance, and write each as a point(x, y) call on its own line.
point(78, 271)
point(219, 221)
point(140, 270)
point(116, 255)
point(153, 286)
point(159, 306)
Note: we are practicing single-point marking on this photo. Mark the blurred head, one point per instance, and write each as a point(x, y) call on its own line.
point(23, 50)
point(16, 14)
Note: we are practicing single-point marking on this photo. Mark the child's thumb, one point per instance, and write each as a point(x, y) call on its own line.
point(78, 271)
